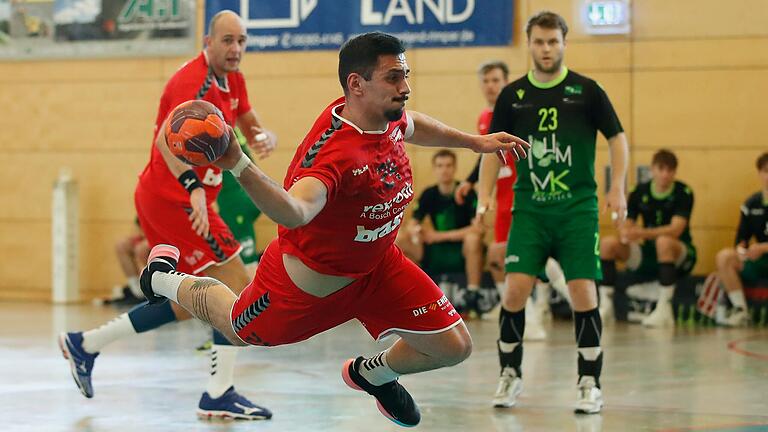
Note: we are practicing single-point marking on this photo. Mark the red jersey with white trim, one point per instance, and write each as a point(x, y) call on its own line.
point(194, 80)
point(369, 181)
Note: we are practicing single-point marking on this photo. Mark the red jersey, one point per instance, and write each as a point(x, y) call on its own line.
point(194, 81)
point(369, 181)
point(484, 121)
point(505, 193)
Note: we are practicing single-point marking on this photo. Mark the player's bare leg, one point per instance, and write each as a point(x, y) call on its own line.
point(511, 333)
point(668, 251)
point(611, 249)
point(728, 266)
point(210, 301)
point(589, 328)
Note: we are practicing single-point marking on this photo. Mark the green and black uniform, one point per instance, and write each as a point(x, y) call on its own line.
point(238, 211)
point(555, 209)
point(445, 215)
point(754, 224)
point(657, 209)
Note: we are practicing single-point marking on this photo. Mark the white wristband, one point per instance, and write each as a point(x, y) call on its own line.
point(240, 165)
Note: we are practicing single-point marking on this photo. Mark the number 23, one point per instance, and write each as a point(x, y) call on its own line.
point(548, 121)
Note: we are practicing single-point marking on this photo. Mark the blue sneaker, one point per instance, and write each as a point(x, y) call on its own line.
point(80, 361)
point(231, 405)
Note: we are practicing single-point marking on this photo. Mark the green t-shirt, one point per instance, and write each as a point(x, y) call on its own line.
point(560, 119)
point(657, 209)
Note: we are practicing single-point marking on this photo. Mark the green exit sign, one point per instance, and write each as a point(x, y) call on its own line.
point(606, 16)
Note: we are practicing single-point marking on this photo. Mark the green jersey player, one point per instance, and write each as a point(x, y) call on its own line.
point(555, 210)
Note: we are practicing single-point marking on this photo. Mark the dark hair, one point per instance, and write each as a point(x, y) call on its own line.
point(360, 54)
point(548, 20)
point(494, 64)
point(762, 161)
point(665, 158)
point(443, 153)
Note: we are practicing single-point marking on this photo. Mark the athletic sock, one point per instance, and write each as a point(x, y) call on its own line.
point(737, 299)
point(167, 284)
point(376, 370)
point(510, 344)
point(96, 339)
point(589, 328)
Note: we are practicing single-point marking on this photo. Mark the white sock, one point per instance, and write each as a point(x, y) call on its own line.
point(222, 369)
point(542, 292)
point(606, 290)
point(557, 278)
point(665, 294)
point(737, 299)
point(167, 284)
point(133, 285)
point(590, 353)
point(376, 371)
point(94, 340)
point(508, 347)
point(473, 287)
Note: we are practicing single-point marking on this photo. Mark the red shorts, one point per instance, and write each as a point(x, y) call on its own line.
point(164, 221)
point(395, 296)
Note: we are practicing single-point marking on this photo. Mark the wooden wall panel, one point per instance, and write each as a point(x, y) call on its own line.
point(690, 77)
point(696, 19)
point(699, 109)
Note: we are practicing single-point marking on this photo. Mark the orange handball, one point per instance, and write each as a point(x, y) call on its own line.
point(197, 133)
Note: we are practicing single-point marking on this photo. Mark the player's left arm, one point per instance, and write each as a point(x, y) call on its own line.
point(262, 141)
point(426, 131)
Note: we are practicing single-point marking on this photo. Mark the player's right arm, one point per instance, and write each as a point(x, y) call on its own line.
point(292, 208)
point(188, 179)
point(489, 173)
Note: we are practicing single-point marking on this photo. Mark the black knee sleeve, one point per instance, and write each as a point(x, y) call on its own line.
point(511, 330)
point(589, 327)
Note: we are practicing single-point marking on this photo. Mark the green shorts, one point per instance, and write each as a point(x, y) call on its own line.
point(239, 213)
point(571, 239)
point(754, 271)
point(649, 264)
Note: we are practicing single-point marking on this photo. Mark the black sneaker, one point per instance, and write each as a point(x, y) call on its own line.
point(162, 258)
point(392, 399)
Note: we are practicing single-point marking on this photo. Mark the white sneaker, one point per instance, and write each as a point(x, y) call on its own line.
point(662, 316)
point(590, 399)
point(509, 388)
point(738, 317)
point(534, 328)
point(606, 308)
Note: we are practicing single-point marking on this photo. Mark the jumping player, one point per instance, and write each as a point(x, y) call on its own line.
point(339, 211)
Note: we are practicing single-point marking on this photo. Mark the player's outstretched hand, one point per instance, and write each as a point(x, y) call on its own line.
point(199, 214)
point(233, 153)
point(501, 142)
point(262, 141)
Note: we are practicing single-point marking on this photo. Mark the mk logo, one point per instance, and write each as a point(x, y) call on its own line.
point(520, 93)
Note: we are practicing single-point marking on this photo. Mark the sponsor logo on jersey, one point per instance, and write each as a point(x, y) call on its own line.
point(511, 259)
point(396, 136)
point(357, 171)
point(388, 173)
point(573, 89)
point(405, 193)
point(365, 235)
point(520, 93)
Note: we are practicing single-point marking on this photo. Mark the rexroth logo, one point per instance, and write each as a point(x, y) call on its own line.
point(405, 193)
point(367, 236)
